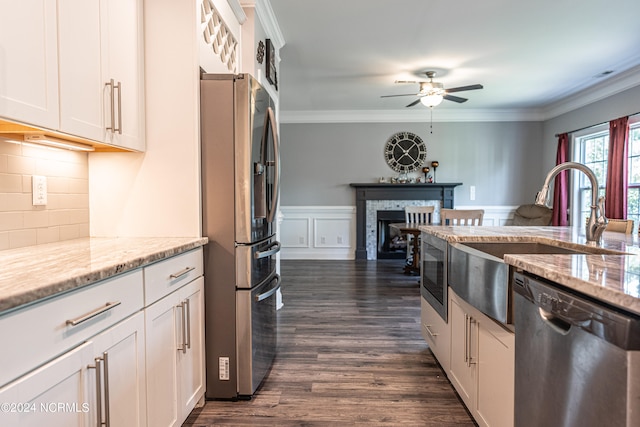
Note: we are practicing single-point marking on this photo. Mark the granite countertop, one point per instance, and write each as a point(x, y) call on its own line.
point(35, 272)
point(612, 275)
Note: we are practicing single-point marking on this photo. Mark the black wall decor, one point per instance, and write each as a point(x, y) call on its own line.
point(270, 66)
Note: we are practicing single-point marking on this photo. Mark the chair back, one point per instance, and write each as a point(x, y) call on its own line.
point(620, 225)
point(419, 214)
point(532, 215)
point(461, 216)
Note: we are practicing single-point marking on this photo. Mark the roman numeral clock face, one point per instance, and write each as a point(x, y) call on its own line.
point(405, 152)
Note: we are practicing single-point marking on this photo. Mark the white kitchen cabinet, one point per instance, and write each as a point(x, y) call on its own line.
point(29, 62)
point(120, 351)
point(100, 58)
point(482, 363)
point(64, 391)
point(175, 354)
point(437, 333)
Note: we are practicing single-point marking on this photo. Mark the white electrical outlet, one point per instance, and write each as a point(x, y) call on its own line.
point(39, 190)
point(339, 240)
point(472, 192)
point(223, 368)
point(301, 240)
point(323, 240)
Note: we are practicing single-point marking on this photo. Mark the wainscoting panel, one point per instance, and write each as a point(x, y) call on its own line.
point(318, 232)
point(328, 232)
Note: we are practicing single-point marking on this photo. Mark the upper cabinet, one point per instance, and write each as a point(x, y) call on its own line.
point(91, 83)
point(29, 62)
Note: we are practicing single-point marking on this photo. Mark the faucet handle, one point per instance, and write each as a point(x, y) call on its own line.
point(601, 218)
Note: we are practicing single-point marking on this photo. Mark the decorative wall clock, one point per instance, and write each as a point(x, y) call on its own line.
point(405, 152)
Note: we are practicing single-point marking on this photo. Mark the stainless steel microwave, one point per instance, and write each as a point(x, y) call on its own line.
point(433, 281)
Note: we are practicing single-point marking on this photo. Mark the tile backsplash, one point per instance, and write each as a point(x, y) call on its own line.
point(66, 214)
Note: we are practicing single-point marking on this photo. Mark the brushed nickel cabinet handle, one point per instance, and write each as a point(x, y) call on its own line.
point(92, 314)
point(187, 317)
point(183, 341)
point(181, 273)
point(98, 369)
point(111, 84)
point(119, 128)
point(428, 328)
point(105, 364)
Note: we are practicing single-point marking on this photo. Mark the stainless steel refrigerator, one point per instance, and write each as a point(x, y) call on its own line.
point(240, 180)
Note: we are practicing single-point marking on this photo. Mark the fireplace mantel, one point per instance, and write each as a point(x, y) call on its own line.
point(383, 191)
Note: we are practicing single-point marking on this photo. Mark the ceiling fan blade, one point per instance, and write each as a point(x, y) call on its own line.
point(407, 81)
point(463, 88)
point(414, 103)
point(404, 94)
point(455, 98)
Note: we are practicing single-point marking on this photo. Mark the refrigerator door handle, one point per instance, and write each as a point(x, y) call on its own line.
point(273, 249)
point(270, 117)
point(270, 292)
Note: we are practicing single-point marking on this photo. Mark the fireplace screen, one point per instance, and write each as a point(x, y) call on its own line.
point(391, 243)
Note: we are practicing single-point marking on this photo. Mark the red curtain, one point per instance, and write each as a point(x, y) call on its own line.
point(561, 185)
point(617, 174)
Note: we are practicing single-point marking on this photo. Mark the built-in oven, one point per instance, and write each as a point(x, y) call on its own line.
point(433, 281)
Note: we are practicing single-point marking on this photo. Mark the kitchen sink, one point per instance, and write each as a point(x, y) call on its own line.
point(479, 275)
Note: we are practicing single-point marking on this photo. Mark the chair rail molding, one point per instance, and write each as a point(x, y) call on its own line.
point(329, 232)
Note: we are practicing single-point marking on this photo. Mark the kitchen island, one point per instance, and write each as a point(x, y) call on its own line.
point(473, 272)
point(612, 275)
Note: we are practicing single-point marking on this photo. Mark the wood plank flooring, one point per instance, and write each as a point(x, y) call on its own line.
point(350, 353)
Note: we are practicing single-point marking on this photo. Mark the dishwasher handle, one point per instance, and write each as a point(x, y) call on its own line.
point(554, 322)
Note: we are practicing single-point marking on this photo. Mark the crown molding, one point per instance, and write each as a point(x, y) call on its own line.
point(267, 18)
point(616, 84)
point(236, 7)
point(415, 116)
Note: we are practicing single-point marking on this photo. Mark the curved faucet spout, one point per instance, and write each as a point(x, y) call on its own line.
point(597, 221)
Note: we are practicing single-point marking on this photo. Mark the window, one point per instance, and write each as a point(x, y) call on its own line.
point(591, 148)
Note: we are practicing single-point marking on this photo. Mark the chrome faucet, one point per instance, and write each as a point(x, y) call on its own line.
point(597, 221)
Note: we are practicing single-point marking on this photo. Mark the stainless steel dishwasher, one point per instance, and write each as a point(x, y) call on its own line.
point(577, 361)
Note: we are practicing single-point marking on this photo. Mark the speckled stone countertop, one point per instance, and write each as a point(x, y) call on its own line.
point(612, 275)
point(35, 272)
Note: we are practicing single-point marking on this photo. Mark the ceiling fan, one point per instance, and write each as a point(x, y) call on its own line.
point(432, 93)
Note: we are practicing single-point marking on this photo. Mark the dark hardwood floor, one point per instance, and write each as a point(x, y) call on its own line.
point(350, 352)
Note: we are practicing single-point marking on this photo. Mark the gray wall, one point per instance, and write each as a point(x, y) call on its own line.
point(502, 159)
point(506, 161)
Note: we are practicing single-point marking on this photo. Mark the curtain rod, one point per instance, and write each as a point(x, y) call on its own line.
point(592, 126)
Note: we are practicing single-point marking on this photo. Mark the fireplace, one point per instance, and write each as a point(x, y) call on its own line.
point(393, 197)
point(391, 243)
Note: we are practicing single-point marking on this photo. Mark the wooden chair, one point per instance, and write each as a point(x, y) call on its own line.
point(461, 216)
point(419, 214)
point(620, 226)
point(416, 215)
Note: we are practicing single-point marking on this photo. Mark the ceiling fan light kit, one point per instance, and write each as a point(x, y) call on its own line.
point(433, 93)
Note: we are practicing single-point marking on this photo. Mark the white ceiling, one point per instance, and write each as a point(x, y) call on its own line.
point(532, 57)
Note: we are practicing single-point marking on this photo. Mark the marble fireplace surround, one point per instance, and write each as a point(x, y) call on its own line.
point(373, 197)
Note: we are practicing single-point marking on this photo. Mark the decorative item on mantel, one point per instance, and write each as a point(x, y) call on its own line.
point(425, 171)
point(434, 165)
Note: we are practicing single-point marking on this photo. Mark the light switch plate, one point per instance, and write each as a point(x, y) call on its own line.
point(39, 189)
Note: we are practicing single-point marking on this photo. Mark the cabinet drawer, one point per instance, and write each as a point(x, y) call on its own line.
point(166, 276)
point(39, 332)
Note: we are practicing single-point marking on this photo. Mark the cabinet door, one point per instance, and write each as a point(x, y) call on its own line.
point(122, 350)
point(29, 62)
point(496, 358)
point(436, 333)
point(463, 364)
point(123, 56)
point(81, 84)
point(58, 394)
point(191, 360)
point(161, 360)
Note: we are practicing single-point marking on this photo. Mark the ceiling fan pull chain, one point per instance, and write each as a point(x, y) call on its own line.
point(431, 120)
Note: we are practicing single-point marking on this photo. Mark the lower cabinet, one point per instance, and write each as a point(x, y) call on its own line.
point(482, 363)
point(175, 354)
point(436, 332)
point(100, 380)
